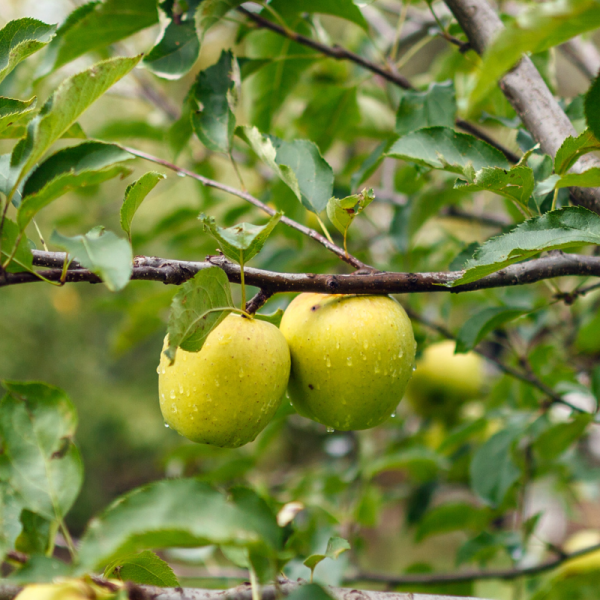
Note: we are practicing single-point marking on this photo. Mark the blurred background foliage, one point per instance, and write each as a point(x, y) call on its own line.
point(405, 494)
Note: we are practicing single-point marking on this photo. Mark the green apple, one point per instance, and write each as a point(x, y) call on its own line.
point(352, 357)
point(226, 393)
point(587, 562)
point(444, 381)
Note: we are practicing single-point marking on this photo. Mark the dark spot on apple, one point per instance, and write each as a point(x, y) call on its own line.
point(310, 385)
point(316, 307)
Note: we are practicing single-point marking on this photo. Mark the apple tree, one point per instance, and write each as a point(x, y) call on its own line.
point(241, 153)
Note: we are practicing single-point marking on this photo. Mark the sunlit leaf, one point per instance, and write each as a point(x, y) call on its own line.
point(573, 148)
point(560, 229)
point(516, 183)
point(135, 194)
point(144, 568)
point(102, 252)
point(96, 25)
point(21, 38)
point(64, 107)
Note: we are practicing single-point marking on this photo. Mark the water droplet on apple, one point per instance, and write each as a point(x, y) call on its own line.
point(328, 361)
point(377, 369)
point(194, 407)
point(158, 369)
point(393, 415)
point(330, 430)
point(167, 425)
point(401, 353)
point(172, 394)
point(366, 345)
point(174, 407)
point(349, 361)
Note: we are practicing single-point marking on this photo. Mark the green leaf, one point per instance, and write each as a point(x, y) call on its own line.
point(342, 212)
point(210, 13)
point(178, 47)
point(589, 178)
point(596, 383)
point(310, 591)
point(241, 242)
point(96, 25)
point(103, 253)
point(345, 9)
point(144, 568)
point(443, 148)
point(273, 318)
point(556, 230)
point(591, 107)
point(171, 513)
point(434, 107)
point(515, 184)
point(135, 194)
point(35, 533)
point(89, 163)
point(40, 569)
point(40, 462)
point(11, 507)
point(214, 98)
point(64, 107)
point(197, 308)
point(313, 173)
point(21, 38)
point(479, 325)
point(535, 29)
point(572, 149)
point(493, 470)
point(23, 258)
point(453, 516)
point(332, 113)
point(14, 112)
point(335, 547)
point(558, 438)
point(263, 146)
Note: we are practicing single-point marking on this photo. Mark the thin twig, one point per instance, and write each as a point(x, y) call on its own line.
point(340, 53)
point(339, 252)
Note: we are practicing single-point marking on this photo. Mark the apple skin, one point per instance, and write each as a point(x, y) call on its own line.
point(587, 562)
point(352, 357)
point(444, 381)
point(226, 394)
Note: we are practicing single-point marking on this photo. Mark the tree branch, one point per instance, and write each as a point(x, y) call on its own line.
point(365, 282)
point(340, 53)
point(528, 94)
point(339, 252)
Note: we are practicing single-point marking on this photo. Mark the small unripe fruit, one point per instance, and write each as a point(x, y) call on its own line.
point(226, 393)
point(352, 357)
point(444, 381)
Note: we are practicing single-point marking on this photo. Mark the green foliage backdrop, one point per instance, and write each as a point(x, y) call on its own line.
point(369, 145)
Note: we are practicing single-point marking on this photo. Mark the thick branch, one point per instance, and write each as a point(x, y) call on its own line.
point(526, 91)
point(365, 282)
point(339, 53)
point(339, 252)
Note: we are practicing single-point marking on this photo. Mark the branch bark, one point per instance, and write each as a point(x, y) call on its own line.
point(366, 281)
point(526, 91)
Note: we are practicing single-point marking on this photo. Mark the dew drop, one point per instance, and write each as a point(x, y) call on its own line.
point(337, 345)
point(180, 389)
point(366, 345)
point(330, 430)
point(167, 425)
point(363, 356)
point(172, 394)
point(349, 361)
point(194, 389)
point(174, 407)
point(180, 174)
point(163, 372)
point(217, 382)
point(194, 407)
point(377, 369)
point(158, 369)
point(188, 393)
point(328, 361)
point(241, 372)
point(393, 415)
point(401, 353)
point(162, 396)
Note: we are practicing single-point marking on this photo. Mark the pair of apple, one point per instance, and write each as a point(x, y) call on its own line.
point(346, 361)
